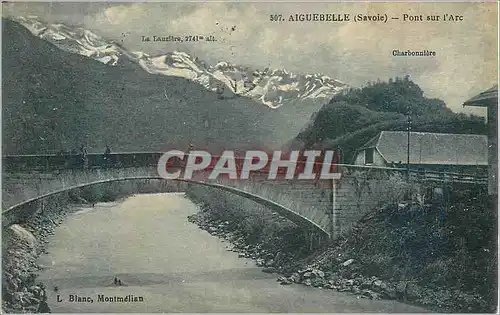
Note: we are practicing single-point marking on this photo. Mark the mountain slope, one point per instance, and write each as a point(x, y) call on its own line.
point(272, 88)
point(54, 100)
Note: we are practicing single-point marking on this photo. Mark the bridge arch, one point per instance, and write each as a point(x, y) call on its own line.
point(271, 205)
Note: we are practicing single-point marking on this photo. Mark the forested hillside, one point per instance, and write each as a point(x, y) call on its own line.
point(356, 115)
point(54, 100)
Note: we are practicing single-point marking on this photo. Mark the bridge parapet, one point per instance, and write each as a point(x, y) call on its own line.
point(313, 202)
point(18, 187)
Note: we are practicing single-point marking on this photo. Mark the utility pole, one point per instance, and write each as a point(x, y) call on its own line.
point(408, 128)
point(334, 208)
point(409, 192)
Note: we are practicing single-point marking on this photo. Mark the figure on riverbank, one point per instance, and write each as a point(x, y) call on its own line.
point(43, 307)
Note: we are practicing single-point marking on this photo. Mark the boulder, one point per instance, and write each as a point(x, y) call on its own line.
point(389, 292)
point(347, 262)
point(318, 282)
point(370, 294)
point(269, 256)
point(366, 284)
point(318, 273)
point(281, 278)
point(413, 292)
point(309, 269)
point(378, 284)
point(269, 263)
point(401, 290)
point(18, 234)
point(295, 277)
point(278, 257)
point(284, 281)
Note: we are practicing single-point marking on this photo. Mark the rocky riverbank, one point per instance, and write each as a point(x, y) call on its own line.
point(353, 264)
point(292, 270)
point(25, 241)
point(271, 260)
point(22, 244)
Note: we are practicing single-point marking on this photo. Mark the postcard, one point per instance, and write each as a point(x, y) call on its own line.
point(249, 157)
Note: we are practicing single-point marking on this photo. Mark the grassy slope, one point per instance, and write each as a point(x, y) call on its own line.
point(447, 256)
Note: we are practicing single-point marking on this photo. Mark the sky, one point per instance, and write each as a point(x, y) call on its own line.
point(466, 61)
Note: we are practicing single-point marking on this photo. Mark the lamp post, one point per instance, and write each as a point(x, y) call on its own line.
point(408, 128)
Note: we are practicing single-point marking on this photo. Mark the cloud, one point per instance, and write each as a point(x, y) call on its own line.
point(466, 61)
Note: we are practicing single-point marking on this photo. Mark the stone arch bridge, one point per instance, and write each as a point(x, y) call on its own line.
point(324, 207)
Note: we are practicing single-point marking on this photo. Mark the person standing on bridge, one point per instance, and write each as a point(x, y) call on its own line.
point(107, 156)
point(84, 157)
point(190, 148)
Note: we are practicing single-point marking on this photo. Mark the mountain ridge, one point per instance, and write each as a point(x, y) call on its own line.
point(272, 88)
point(55, 100)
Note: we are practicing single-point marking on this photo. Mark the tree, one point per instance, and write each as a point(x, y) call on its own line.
point(356, 115)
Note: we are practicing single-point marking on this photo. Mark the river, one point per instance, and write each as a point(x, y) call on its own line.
point(147, 242)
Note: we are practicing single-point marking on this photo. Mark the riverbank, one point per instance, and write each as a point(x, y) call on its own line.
point(24, 241)
point(292, 263)
point(22, 245)
point(406, 254)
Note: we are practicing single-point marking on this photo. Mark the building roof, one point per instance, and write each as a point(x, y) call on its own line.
point(431, 148)
point(485, 98)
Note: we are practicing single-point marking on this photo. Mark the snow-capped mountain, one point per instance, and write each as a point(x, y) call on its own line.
point(74, 40)
point(270, 87)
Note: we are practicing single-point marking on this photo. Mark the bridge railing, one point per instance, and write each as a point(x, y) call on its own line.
point(49, 162)
point(54, 162)
point(479, 177)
